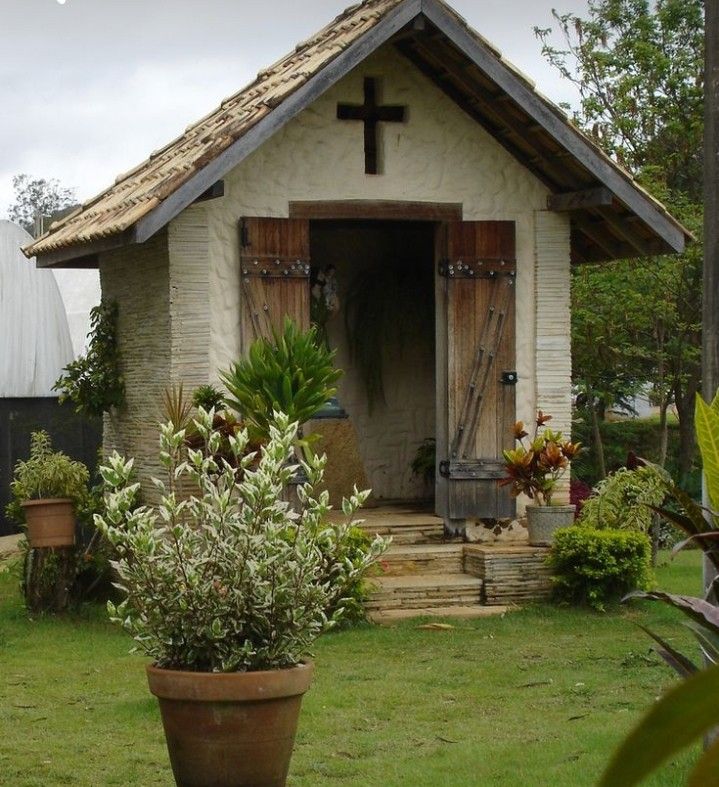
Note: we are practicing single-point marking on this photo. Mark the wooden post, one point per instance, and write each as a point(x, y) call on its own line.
point(710, 370)
point(48, 577)
point(710, 327)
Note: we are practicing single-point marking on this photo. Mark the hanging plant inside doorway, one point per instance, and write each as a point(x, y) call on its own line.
point(324, 300)
point(388, 304)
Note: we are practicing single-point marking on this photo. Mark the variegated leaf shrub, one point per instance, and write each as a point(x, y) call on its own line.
point(229, 577)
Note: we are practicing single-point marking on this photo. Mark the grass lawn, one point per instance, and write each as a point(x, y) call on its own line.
point(539, 697)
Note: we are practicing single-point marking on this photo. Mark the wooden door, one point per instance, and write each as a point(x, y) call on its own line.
point(476, 368)
point(275, 275)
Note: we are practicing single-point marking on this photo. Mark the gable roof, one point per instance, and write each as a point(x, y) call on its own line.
point(612, 216)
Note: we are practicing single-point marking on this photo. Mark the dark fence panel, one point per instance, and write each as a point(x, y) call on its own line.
point(79, 437)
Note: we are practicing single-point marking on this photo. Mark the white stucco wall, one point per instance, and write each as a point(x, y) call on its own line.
point(137, 278)
point(439, 155)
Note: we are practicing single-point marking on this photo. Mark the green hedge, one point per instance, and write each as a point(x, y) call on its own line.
point(598, 567)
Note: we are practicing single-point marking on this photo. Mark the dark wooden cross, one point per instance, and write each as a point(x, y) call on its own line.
point(371, 115)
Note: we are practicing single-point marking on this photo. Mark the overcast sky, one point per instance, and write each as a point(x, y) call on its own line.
point(88, 88)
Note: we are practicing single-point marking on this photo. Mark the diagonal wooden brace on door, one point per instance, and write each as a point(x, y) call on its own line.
point(487, 347)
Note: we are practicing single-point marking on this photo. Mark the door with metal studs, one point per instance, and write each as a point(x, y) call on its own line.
point(275, 275)
point(476, 368)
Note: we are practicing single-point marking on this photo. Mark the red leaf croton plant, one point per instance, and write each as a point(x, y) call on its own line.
point(535, 466)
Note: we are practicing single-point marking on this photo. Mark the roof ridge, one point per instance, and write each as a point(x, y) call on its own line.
point(136, 192)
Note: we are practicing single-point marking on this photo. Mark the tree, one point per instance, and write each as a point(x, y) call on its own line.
point(609, 366)
point(38, 197)
point(638, 68)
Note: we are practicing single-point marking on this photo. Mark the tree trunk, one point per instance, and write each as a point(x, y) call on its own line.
point(663, 430)
point(661, 387)
point(654, 538)
point(684, 401)
point(48, 577)
point(710, 318)
point(598, 442)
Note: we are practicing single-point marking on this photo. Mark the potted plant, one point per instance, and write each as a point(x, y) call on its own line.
point(47, 487)
point(226, 590)
point(533, 468)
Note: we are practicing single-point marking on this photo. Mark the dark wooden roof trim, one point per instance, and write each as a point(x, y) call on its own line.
point(84, 255)
point(216, 190)
point(395, 20)
point(580, 200)
point(559, 128)
point(376, 210)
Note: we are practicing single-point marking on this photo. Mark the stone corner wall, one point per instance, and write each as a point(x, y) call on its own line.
point(137, 277)
point(189, 294)
point(554, 326)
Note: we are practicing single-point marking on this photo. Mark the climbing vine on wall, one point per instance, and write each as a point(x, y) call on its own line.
point(94, 382)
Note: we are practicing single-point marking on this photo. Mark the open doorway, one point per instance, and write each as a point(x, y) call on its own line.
point(383, 330)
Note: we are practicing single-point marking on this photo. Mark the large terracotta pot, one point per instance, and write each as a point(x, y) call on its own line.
point(50, 522)
point(230, 729)
point(543, 521)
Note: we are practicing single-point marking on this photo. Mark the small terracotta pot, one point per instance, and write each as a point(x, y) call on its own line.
point(232, 729)
point(50, 522)
point(543, 521)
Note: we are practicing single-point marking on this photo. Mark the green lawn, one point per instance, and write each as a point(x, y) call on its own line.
point(539, 697)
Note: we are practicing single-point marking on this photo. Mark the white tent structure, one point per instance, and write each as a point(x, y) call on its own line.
point(35, 343)
point(80, 290)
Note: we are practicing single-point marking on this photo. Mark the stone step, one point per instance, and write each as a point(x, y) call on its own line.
point(426, 591)
point(418, 530)
point(511, 574)
point(410, 559)
point(389, 616)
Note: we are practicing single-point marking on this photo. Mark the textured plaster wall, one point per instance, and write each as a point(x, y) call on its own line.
point(162, 290)
point(439, 155)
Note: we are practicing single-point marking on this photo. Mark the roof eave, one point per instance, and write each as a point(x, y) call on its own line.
point(606, 172)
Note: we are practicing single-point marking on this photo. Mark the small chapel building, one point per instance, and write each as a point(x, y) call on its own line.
point(397, 153)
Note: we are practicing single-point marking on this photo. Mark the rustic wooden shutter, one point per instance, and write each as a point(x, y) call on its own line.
point(275, 275)
point(477, 342)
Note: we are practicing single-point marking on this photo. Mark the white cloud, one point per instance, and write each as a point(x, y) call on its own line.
point(86, 92)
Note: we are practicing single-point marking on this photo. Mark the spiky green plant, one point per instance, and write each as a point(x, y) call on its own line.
point(292, 373)
point(208, 397)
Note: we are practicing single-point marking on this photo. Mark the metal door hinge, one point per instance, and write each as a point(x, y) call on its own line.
point(244, 234)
